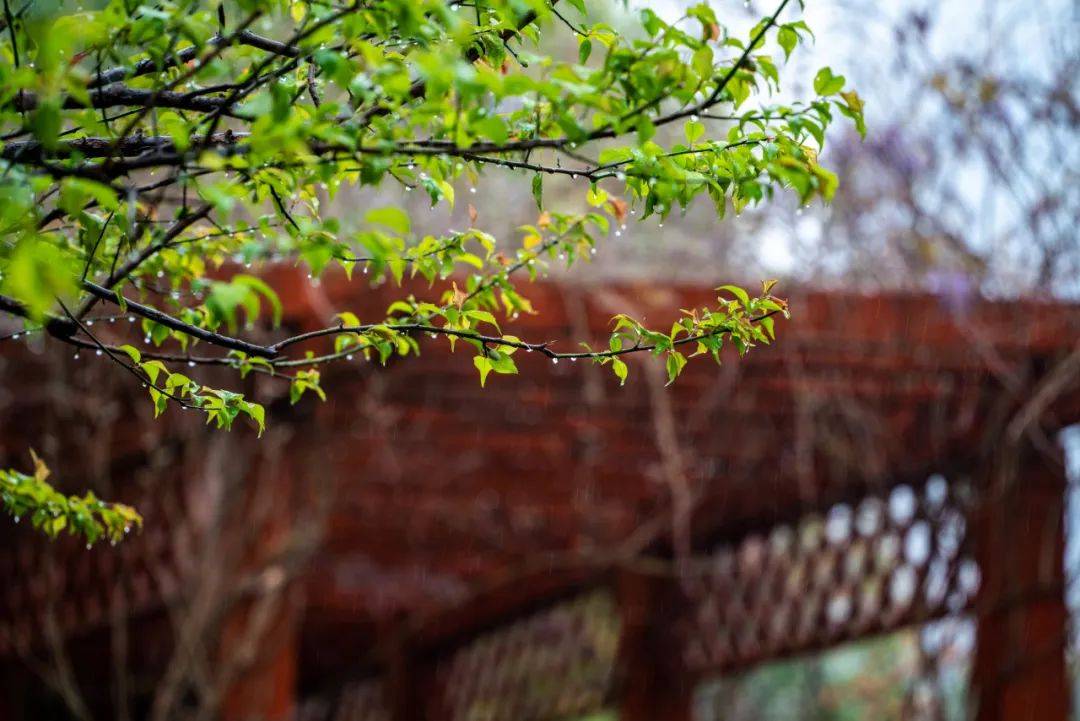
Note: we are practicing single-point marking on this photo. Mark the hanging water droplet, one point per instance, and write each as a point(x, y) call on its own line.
point(365, 270)
point(15, 337)
point(89, 322)
point(472, 190)
point(554, 361)
point(660, 225)
point(191, 364)
point(348, 357)
point(131, 319)
point(694, 118)
point(88, 547)
point(97, 352)
point(574, 359)
point(76, 356)
point(17, 519)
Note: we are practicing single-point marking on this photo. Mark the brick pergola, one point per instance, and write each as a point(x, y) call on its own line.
point(555, 544)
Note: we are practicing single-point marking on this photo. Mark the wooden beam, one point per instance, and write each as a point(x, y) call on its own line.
point(1020, 669)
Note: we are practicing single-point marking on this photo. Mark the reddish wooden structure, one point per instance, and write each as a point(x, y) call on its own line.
point(555, 544)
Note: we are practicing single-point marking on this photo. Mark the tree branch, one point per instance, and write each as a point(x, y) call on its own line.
point(542, 348)
point(58, 327)
point(176, 324)
point(122, 96)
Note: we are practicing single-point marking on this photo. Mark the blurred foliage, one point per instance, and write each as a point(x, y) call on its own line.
point(878, 678)
point(31, 496)
point(150, 150)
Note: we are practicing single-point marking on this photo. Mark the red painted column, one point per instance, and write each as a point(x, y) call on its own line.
point(651, 682)
point(1020, 671)
point(265, 690)
point(259, 635)
point(411, 688)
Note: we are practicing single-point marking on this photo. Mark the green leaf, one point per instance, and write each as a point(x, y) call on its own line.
point(261, 287)
point(852, 107)
point(538, 190)
point(257, 414)
point(788, 39)
point(178, 382)
point(584, 50)
point(391, 217)
point(675, 363)
point(502, 362)
point(596, 196)
point(767, 324)
point(46, 122)
point(738, 292)
point(825, 83)
point(160, 400)
point(621, 371)
point(132, 352)
point(281, 96)
point(483, 364)
point(483, 316)
point(153, 368)
point(75, 193)
point(493, 128)
point(694, 129)
point(645, 129)
point(37, 273)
